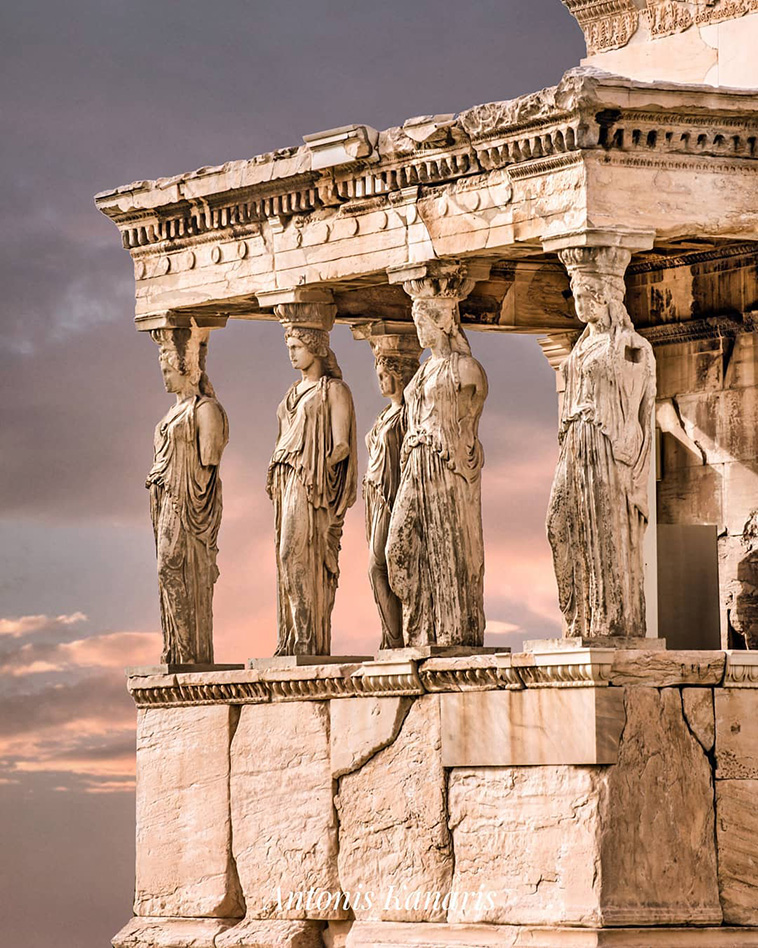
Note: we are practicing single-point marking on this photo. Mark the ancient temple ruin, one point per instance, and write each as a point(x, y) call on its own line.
point(597, 790)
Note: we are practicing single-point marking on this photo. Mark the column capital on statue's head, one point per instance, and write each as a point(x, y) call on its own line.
point(389, 338)
point(173, 319)
point(319, 316)
point(440, 279)
point(594, 238)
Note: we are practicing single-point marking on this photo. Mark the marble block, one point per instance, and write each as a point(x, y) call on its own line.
point(530, 837)
point(737, 840)
point(699, 715)
point(408, 935)
point(532, 727)
point(185, 866)
point(657, 851)
point(284, 824)
point(258, 933)
point(361, 727)
point(736, 733)
point(393, 834)
point(143, 932)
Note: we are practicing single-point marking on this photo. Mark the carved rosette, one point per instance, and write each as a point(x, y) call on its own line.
point(606, 24)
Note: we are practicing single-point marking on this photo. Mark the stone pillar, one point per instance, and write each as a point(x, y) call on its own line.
point(312, 478)
point(435, 551)
point(185, 489)
point(601, 499)
point(396, 350)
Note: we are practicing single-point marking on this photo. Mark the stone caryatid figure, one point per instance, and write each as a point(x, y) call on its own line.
point(396, 352)
point(312, 480)
point(185, 497)
point(598, 507)
point(435, 551)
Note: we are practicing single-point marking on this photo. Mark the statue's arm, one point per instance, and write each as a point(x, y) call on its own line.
point(211, 433)
point(473, 393)
point(341, 412)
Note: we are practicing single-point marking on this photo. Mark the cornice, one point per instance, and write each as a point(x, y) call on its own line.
point(572, 668)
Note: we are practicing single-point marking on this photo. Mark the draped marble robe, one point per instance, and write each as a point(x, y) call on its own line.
point(185, 507)
point(310, 502)
point(380, 486)
point(598, 506)
point(435, 549)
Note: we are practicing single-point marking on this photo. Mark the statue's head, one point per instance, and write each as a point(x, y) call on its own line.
point(182, 357)
point(394, 372)
point(597, 285)
point(307, 346)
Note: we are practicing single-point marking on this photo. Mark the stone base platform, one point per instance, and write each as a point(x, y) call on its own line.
point(580, 798)
point(236, 933)
point(594, 641)
point(278, 662)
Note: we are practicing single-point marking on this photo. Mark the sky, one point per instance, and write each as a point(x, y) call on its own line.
point(99, 93)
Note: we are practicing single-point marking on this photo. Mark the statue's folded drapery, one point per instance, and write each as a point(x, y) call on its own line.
point(435, 549)
point(185, 506)
point(380, 485)
point(599, 502)
point(311, 498)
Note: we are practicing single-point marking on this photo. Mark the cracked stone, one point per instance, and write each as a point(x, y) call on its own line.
point(699, 714)
point(360, 727)
point(394, 839)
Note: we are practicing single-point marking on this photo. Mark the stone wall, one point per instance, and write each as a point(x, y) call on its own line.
point(267, 817)
point(708, 387)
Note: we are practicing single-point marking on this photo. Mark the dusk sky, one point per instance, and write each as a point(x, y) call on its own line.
point(99, 93)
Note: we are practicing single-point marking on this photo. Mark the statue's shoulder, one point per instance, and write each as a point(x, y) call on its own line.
point(339, 390)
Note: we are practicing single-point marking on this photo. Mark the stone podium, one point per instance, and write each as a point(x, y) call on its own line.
point(600, 790)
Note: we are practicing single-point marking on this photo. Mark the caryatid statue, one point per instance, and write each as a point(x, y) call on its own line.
point(435, 550)
point(185, 497)
point(312, 480)
point(396, 352)
point(598, 507)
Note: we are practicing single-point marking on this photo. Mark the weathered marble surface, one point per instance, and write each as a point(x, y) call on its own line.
point(736, 733)
point(393, 820)
point(666, 669)
point(144, 932)
point(285, 826)
point(184, 848)
point(699, 715)
point(657, 851)
point(361, 727)
point(255, 933)
point(737, 826)
point(530, 835)
point(532, 727)
point(399, 935)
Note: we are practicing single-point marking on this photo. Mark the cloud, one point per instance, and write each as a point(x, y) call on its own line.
point(65, 709)
point(26, 625)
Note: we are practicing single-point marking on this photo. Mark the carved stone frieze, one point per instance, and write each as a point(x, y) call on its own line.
point(606, 24)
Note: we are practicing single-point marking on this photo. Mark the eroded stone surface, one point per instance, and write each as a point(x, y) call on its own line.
point(664, 669)
point(256, 933)
point(393, 830)
point(529, 836)
point(658, 852)
point(737, 825)
point(699, 714)
point(285, 828)
point(736, 733)
point(184, 858)
point(361, 727)
point(143, 932)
